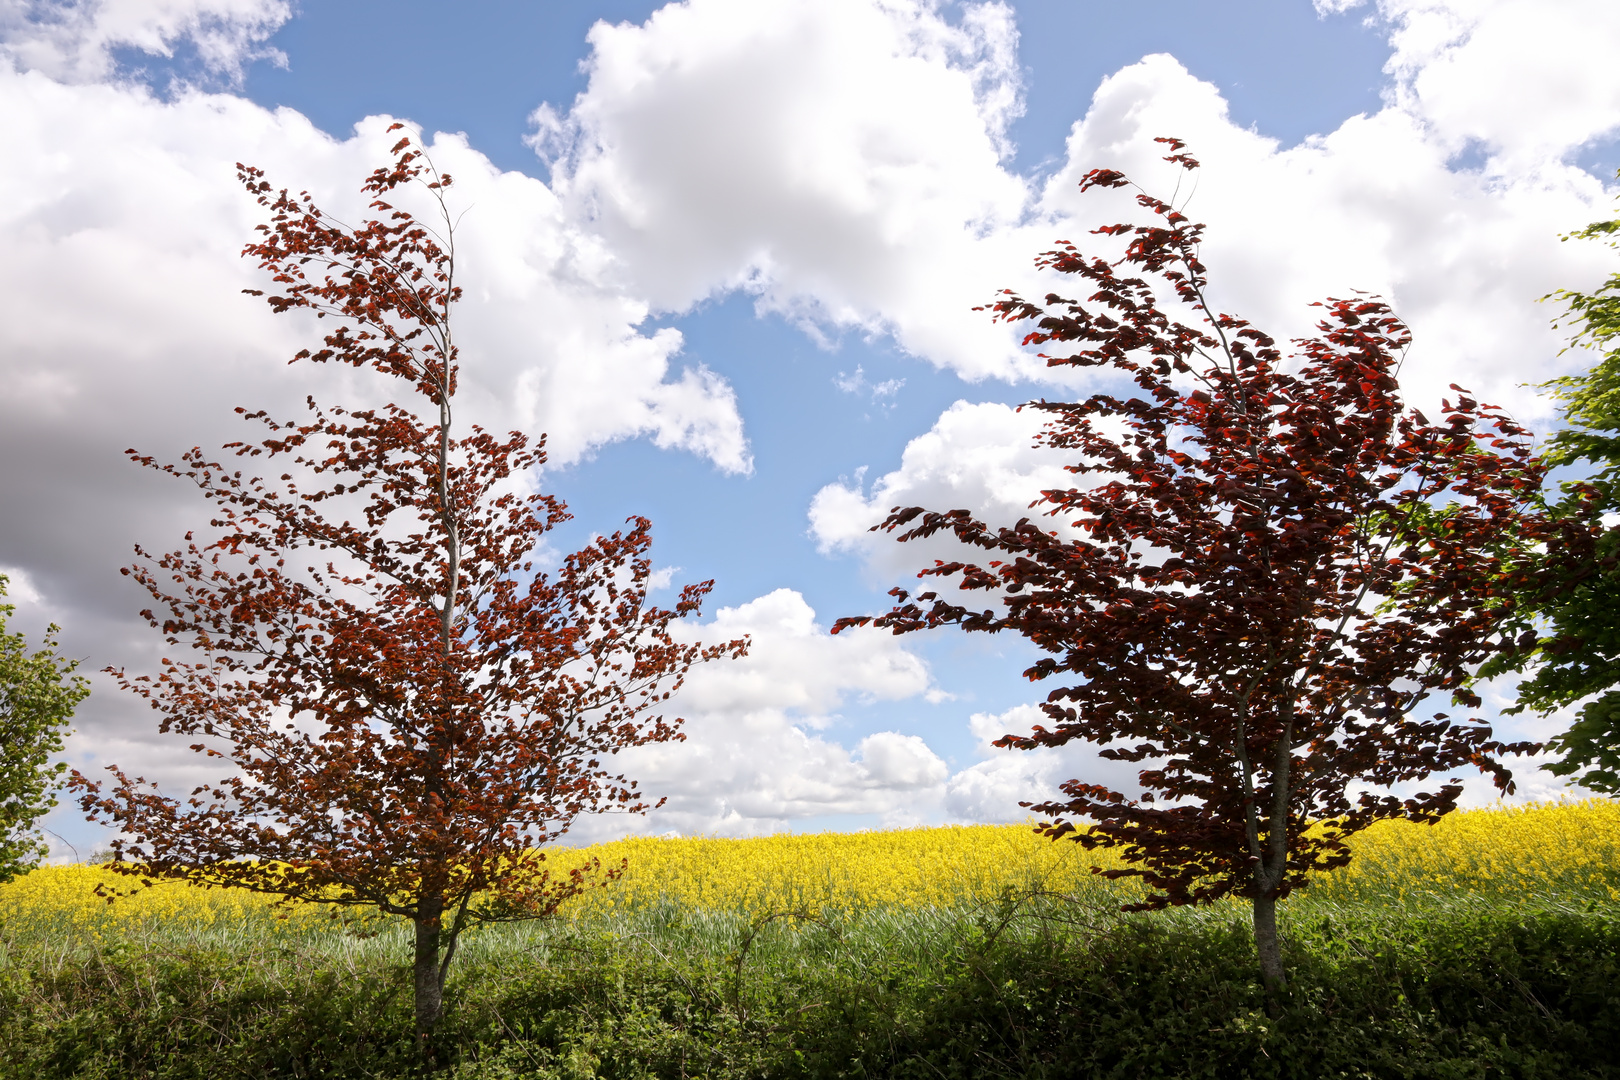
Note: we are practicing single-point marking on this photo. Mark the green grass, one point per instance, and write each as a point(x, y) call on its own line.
point(1459, 985)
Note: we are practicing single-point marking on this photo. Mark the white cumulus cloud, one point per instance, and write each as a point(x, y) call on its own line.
point(842, 160)
point(977, 457)
point(76, 42)
point(845, 162)
point(1530, 79)
point(1378, 205)
point(758, 756)
point(992, 789)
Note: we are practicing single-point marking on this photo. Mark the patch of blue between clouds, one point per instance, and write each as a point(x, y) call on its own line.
point(478, 68)
point(1284, 70)
point(1600, 158)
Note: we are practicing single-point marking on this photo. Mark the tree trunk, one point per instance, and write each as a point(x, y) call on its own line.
point(1267, 944)
point(429, 989)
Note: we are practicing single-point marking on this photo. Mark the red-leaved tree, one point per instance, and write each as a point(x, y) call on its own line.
point(409, 710)
point(1273, 564)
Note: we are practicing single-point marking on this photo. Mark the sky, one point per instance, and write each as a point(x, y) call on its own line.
point(724, 254)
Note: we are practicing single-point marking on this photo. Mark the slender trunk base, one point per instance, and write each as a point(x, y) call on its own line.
point(429, 990)
point(1269, 948)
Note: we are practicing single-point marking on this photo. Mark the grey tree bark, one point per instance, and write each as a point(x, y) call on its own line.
point(1269, 945)
point(428, 972)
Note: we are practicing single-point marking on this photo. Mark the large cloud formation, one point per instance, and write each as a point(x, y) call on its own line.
point(859, 180)
point(842, 160)
point(846, 163)
point(125, 323)
point(79, 42)
point(758, 757)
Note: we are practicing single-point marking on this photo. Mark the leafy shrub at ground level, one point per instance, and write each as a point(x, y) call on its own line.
point(1499, 995)
point(1471, 991)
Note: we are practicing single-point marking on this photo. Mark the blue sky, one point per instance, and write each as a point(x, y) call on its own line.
point(666, 291)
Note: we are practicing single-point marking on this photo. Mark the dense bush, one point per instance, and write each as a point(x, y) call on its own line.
point(1467, 989)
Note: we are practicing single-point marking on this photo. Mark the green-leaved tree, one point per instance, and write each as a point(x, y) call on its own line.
point(1575, 653)
point(38, 692)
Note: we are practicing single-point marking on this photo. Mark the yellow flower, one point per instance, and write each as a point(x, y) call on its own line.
point(1568, 849)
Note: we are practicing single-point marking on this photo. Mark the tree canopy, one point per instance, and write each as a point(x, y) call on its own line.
point(408, 709)
point(38, 692)
point(1262, 585)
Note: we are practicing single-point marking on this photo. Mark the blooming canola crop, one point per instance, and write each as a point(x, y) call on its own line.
point(1567, 849)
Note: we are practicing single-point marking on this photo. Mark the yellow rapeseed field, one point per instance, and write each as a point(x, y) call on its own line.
point(1566, 848)
point(1570, 849)
point(908, 867)
point(61, 901)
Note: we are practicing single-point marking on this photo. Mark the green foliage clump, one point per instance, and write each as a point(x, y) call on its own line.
point(37, 697)
point(1576, 653)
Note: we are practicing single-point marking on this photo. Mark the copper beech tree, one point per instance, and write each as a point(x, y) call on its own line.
point(1273, 565)
point(409, 711)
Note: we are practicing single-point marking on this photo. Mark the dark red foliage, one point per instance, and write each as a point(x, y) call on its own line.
point(408, 710)
point(1273, 564)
